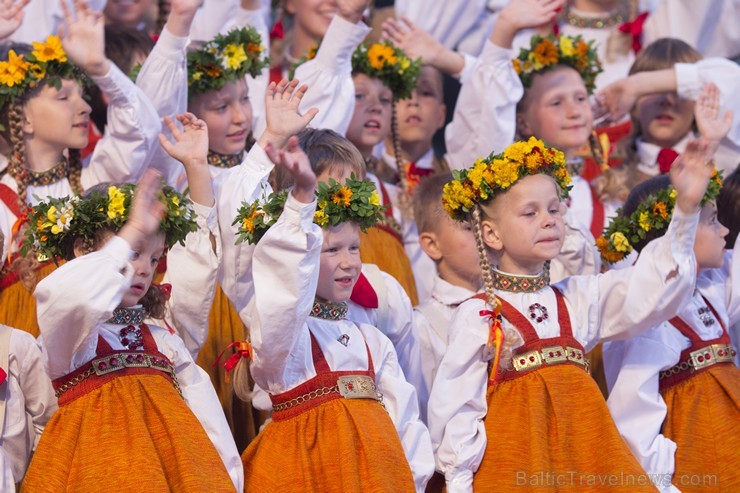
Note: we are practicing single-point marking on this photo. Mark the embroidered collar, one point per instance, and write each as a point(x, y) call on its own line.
point(591, 21)
point(521, 284)
point(128, 316)
point(329, 311)
point(224, 160)
point(37, 178)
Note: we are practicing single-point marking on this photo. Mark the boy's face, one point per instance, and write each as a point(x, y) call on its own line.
point(145, 262)
point(228, 114)
point(57, 117)
point(526, 225)
point(557, 110)
point(340, 262)
point(453, 248)
point(420, 116)
point(709, 245)
point(371, 120)
point(664, 118)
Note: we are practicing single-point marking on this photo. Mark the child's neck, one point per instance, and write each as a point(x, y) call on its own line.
point(410, 151)
point(458, 280)
point(516, 269)
point(41, 157)
point(596, 7)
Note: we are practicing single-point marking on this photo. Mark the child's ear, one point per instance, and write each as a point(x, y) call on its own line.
point(428, 242)
point(491, 235)
point(522, 126)
point(27, 126)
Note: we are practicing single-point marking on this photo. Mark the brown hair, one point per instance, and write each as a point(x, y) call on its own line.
point(728, 206)
point(428, 208)
point(616, 183)
point(326, 150)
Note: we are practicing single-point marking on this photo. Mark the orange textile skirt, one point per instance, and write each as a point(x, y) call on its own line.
point(339, 446)
point(704, 421)
point(17, 304)
point(133, 433)
point(550, 430)
point(380, 247)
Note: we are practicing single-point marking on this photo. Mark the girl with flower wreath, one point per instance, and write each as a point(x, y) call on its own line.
point(512, 403)
point(45, 120)
point(344, 417)
point(675, 390)
point(135, 411)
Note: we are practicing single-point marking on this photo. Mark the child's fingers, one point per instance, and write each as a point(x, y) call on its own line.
point(165, 143)
point(272, 153)
point(407, 23)
point(172, 127)
point(310, 115)
point(66, 14)
point(280, 88)
point(291, 89)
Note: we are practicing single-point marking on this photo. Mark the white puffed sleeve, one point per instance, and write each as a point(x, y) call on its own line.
point(485, 113)
point(130, 135)
point(192, 271)
point(457, 404)
point(329, 76)
point(213, 17)
point(7, 483)
point(722, 289)
point(75, 298)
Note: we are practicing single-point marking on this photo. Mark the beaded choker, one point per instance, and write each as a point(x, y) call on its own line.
point(329, 311)
point(128, 316)
point(614, 19)
point(521, 284)
point(38, 178)
point(224, 160)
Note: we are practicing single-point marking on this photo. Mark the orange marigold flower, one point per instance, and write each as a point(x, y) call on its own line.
point(380, 56)
point(544, 54)
point(660, 209)
point(342, 196)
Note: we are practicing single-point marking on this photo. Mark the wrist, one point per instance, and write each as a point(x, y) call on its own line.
point(503, 34)
point(277, 141)
point(97, 69)
point(449, 62)
point(687, 206)
point(351, 16)
point(179, 24)
point(303, 193)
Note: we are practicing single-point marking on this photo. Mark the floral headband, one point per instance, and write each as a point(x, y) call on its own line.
point(46, 63)
point(390, 65)
point(653, 214)
point(545, 53)
point(54, 224)
point(226, 58)
point(355, 200)
point(497, 173)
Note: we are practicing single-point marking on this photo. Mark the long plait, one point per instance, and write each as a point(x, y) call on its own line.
point(404, 197)
point(74, 171)
point(18, 158)
point(599, 150)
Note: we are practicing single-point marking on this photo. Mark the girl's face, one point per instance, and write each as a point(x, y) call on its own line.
point(420, 116)
point(228, 114)
point(664, 118)
point(525, 225)
point(145, 260)
point(557, 110)
point(57, 119)
point(340, 262)
point(312, 17)
point(709, 245)
point(371, 120)
point(129, 13)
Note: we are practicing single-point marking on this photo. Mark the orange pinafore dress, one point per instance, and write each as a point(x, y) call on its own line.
point(122, 425)
point(330, 434)
point(548, 426)
point(702, 393)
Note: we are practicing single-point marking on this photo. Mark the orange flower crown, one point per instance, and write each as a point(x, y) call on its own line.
point(497, 173)
point(47, 63)
point(546, 53)
point(390, 64)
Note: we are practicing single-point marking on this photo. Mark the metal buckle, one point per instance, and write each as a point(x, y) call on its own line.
point(527, 361)
point(576, 356)
point(701, 358)
point(723, 352)
point(108, 364)
point(554, 355)
point(357, 387)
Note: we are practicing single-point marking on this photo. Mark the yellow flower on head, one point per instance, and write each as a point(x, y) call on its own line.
point(374, 198)
point(533, 161)
point(342, 196)
point(566, 46)
point(673, 194)
point(14, 70)
point(517, 66)
point(254, 48)
point(50, 50)
point(660, 209)
point(620, 242)
point(51, 214)
point(320, 217)
point(115, 202)
point(644, 221)
point(248, 224)
point(515, 152)
point(197, 75)
point(602, 244)
point(380, 56)
point(234, 55)
point(175, 200)
point(544, 54)
point(405, 63)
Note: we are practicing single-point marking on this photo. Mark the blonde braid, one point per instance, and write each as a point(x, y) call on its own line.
point(74, 171)
point(404, 198)
point(241, 381)
point(17, 141)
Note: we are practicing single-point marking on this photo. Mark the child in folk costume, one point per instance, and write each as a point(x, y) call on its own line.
point(135, 409)
point(325, 374)
point(45, 120)
point(512, 397)
point(675, 390)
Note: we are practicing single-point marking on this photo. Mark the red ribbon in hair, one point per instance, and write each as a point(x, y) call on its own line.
point(165, 289)
point(278, 30)
point(3, 376)
point(243, 350)
point(635, 29)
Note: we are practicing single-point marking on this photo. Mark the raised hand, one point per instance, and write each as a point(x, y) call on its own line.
point(615, 100)
point(352, 10)
point(523, 14)
point(416, 42)
point(690, 174)
point(182, 13)
point(712, 126)
point(11, 16)
point(83, 38)
point(281, 111)
point(191, 143)
point(295, 161)
point(146, 210)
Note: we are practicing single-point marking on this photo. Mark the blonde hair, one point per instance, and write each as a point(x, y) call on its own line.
point(241, 380)
point(616, 183)
point(428, 208)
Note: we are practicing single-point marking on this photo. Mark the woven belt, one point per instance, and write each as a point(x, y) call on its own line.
point(349, 387)
point(121, 361)
point(702, 358)
point(550, 355)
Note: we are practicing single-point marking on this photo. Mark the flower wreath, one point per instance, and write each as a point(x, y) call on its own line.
point(56, 223)
point(545, 53)
point(497, 173)
point(654, 213)
point(47, 63)
point(390, 65)
point(226, 58)
point(355, 200)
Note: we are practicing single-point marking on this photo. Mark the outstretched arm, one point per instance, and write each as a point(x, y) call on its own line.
point(11, 16)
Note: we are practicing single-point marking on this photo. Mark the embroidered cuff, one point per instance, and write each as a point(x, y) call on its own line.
point(459, 481)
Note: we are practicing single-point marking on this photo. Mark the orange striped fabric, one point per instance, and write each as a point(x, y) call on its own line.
point(381, 248)
point(18, 306)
